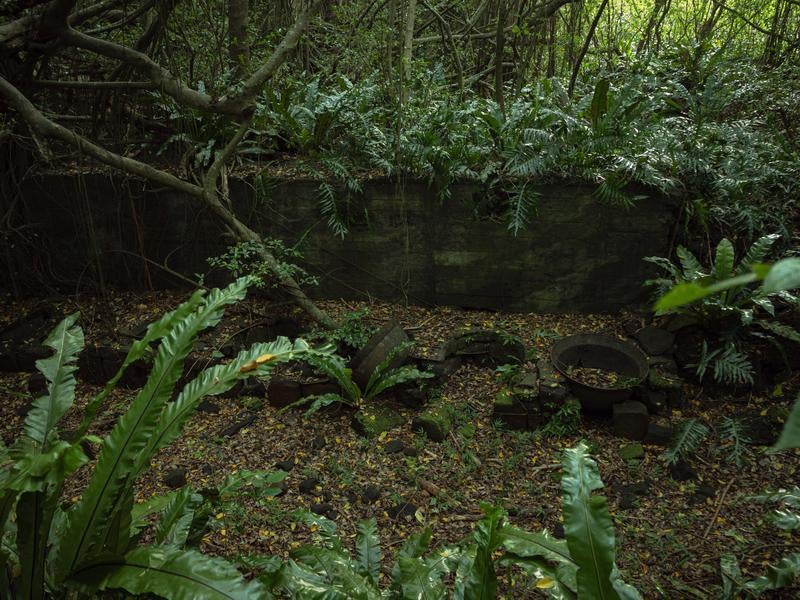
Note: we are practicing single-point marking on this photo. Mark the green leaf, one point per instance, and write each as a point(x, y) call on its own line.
point(790, 436)
point(170, 573)
point(176, 519)
point(781, 329)
point(686, 293)
point(368, 548)
point(784, 275)
point(124, 448)
point(141, 512)
point(34, 514)
point(731, 576)
point(692, 269)
point(778, 576)
point(786, 520)
point(67, 341)
point(686, 440)
point(155, 331)
point(724, 260)
point(333, 366)
point(338, 573)
point(393, 378)
point(214, 381)
point(481, 580)
point(587, 525)
point(526, 544)
point(758, 251)
point(317, 403)
point(33, 472)
point(420, 579)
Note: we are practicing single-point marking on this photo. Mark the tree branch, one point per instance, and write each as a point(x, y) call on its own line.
point(95, 85)
point(242, 102)
point(44, 126)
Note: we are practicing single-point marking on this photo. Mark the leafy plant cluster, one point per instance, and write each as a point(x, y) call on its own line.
point(582, 566)
point(696, 124)
point(740, 312)
point(383, 378)
point(95, 543)
point(352, 329)
point(690, 435)
point(246, 259)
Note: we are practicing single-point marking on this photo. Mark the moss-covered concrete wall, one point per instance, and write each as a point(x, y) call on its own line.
point(404, 243)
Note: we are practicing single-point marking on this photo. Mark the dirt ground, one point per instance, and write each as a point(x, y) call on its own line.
point(669, 537)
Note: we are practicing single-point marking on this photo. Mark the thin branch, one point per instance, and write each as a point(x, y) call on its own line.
point(130, 18)
point(758, 28)
point(210, 180)
point(95, 85)
point(44, 126)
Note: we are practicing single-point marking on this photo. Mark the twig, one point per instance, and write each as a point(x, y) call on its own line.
point(719, 506)
point(548, 467)
point(421, 325)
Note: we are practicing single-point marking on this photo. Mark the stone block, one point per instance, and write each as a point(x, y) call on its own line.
point(371, 421)
point(670, 385)
point(631, 420)
point(654, 340)
point(282, 392)
point(436, 422)
point(658, 435)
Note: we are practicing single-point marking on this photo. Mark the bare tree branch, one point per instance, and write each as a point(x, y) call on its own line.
point(46, 127)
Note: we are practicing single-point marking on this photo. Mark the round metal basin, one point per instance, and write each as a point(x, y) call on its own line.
point(599, 351)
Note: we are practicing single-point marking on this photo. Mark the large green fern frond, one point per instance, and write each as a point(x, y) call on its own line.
point(687, 439)
point(328, 206)
point(170, 573)
point(122, 449)
point(724, 260)
point(758, 251)
point(257, 361)
point(734, 433)
point(66, 340)
point(155, 331)
point(588, 527)
point(692, 269)
point(521, 204)
point(732, 367)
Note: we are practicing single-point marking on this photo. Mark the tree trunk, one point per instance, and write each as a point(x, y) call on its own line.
point(499, 46)
point(408, 47)
point(239, 49)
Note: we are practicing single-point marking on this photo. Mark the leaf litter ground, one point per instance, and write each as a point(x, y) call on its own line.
point(669, 539)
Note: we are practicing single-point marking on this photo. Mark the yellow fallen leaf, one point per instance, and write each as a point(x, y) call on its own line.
point(545, 583)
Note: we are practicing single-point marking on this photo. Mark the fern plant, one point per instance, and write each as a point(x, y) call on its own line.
point(687, 439)
point(691, 434)
point(779, 575)
point(245, 259)
point(581, 566)
point(382, 379)
point(92, 545)
point(725, 299)
point(735, 439)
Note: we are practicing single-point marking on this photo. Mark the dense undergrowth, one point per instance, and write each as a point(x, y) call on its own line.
point(712, 130)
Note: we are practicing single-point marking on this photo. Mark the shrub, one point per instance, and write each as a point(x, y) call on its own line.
point(93, 544)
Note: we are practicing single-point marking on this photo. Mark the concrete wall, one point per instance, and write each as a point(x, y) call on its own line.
point(403, 245)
